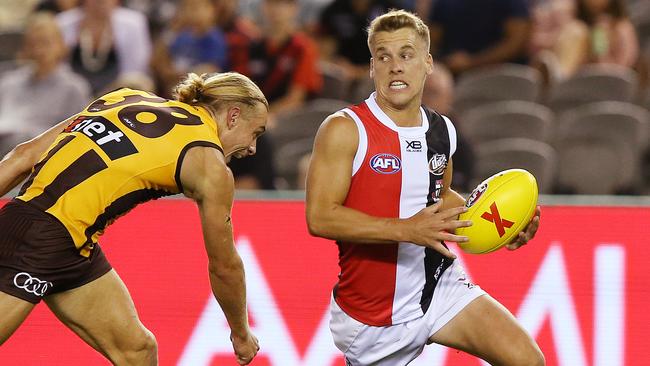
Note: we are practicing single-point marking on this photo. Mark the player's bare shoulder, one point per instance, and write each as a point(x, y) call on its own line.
point(204, 169)
point(338, 131)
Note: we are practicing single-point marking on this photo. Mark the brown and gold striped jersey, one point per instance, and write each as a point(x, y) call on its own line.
point(123, 149)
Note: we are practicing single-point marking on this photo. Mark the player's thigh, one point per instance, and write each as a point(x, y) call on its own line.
point(14, 311)
point(486, 329)
point(102, 312)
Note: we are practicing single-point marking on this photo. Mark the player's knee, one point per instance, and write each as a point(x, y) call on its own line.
point(141, 349)
point(529, 355)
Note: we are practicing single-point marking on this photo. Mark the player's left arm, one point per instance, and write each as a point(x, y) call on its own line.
point(18, 163)
point(450, 197)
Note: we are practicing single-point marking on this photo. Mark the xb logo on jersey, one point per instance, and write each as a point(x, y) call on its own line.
point(384, 163)
point(413, 146)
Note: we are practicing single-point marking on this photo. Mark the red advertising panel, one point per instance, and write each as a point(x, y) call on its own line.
point(580, 288)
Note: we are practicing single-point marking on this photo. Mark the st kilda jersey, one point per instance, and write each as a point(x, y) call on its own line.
point(124, 149)
point(397, 171)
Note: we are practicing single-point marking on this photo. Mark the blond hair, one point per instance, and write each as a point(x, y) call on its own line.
point(395, 20)
point(218, 90)
point(41, 22)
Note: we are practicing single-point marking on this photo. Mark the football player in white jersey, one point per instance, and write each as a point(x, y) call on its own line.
point(342, 205)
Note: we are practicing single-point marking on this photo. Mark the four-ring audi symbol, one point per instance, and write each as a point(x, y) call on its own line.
point(31, 284)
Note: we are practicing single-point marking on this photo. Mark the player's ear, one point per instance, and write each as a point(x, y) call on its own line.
point(430, 65)
point(372, 67)
point(233, 116)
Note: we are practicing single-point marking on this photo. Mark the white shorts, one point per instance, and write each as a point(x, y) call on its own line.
point(399, 344)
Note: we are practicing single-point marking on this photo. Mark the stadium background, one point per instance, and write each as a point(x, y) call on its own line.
point(581, 288)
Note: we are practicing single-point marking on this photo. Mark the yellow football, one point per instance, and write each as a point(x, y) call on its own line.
point(500, 207)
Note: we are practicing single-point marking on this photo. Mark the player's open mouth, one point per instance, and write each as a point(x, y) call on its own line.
point(398, 85)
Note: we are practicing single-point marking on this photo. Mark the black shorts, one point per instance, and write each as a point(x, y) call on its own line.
point(38, 257)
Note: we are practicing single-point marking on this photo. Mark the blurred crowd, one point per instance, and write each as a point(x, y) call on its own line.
point(310, 58)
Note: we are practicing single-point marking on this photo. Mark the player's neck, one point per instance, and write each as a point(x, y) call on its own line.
point(404, 116)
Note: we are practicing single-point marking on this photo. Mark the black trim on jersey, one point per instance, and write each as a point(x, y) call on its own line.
point(179, 163)
point(435, 264)
point(39, 165)
point(87, 165)
point(121, 206)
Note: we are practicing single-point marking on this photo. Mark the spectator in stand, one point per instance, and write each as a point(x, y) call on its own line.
point(342, 34)
point(46, 79)
point(284, 64)
point(558, 40)
point(56, 6)
point(192, 44)
point(466, 34)
point(439, 95)
point(239, 32)
point(106, 41)
point(14, 14)
point(284, 61)
point(611, 35)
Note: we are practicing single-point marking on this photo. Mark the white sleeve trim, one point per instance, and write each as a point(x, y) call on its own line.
point(363, 141)
point(451, 130)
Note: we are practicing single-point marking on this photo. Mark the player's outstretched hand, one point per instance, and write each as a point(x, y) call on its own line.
point(528, 233)
point(245, 348)
point(431, 226)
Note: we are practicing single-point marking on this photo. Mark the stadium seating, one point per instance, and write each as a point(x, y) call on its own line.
point(594, 83)
point(335, 86)
point(506, 119)
point(539, 158)
point(596, 165)
point(625, 122)
point(496, 83)
point(287, 158)
point(360, 90)
point(304, 122)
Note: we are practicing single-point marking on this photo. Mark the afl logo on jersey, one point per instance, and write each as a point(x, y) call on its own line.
point(384, 163)
point(437, 164)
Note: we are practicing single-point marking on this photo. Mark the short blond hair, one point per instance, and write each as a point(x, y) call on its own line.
point(218, 90)
point(395, 20)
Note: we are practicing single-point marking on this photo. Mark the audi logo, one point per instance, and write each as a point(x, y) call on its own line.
point(31, 284)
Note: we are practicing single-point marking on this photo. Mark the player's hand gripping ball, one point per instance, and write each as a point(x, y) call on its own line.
point(500, 207)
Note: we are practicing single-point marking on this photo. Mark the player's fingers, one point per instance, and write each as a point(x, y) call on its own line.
point(437, 246)
point(452, 212)
point(455, 238)
point(436, 206)
point(451, 226)
point(244, 360)
point(521, 240)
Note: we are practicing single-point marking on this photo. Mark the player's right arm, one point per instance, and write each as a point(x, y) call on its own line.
point(207, 180)
point(328, 183)
point(18, 163)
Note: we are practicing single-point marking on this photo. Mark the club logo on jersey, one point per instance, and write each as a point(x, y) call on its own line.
point(384, 163)
point(105, 134)
point(437, 164)
point(476, 194)
point(414, 146)
point(495, 217)
point(435, 195)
